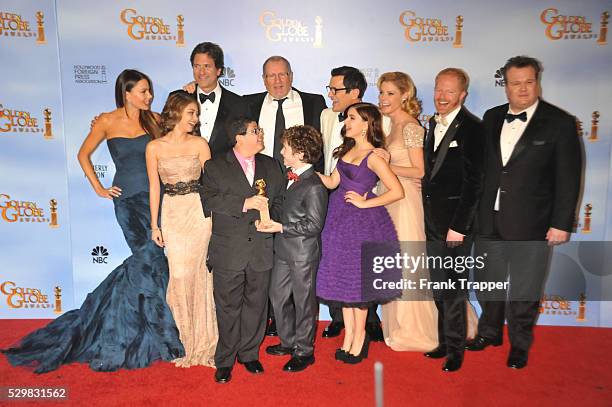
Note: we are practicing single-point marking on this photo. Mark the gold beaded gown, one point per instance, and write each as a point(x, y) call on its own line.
point(186, 234)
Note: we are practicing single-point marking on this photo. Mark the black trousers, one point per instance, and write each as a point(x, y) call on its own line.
point(241, 300)
point(451, 303)
point(524, 265)
point(292, 292)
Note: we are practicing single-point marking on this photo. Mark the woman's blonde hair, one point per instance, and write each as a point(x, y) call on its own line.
point(411, 105)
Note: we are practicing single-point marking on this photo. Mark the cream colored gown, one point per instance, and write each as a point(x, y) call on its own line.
point(186, 235)
point(411, 323)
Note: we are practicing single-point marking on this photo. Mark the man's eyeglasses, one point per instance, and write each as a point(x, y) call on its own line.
point(281, 76)
point(258, 131)
point(334, 90)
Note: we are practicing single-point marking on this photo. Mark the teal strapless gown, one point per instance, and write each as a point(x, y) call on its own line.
point(125, 322)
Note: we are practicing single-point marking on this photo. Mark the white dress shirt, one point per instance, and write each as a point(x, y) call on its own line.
point(510, 135)
point(441, 129)
point(335, 141)
point(298, 172)
point(292, 110)
point(208, 112)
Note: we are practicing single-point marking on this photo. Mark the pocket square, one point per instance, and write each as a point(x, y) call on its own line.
point(453, 144)
point(538, 142)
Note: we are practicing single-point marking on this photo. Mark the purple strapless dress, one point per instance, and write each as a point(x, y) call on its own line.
point(345, 277)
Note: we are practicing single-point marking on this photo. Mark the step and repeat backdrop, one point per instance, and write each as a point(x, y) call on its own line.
point(60, 58)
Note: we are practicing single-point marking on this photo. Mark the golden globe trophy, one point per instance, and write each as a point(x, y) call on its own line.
point(581, 308)
point(586, 228)
point(41, 28)
point(603, 30)
point(458, 32)
point(180, 40)
point(264, 214)
point(48, 125)
point(53, 208)
point(594, 126)
point(318, 36)
point(58, 300)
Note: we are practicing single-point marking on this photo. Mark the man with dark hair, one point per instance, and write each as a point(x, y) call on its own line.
point(453, 152)
point(281, 107)
point(530, 192)
point(239, 255)
point(297, 249)
point(347, 86)
point(217, 104)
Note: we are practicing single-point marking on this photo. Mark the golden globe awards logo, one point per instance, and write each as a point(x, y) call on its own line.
point(279, 29)
point(428, 30)
point(15, 25)
point(23, 297)
point(147, 28)
point(565, 27)
point(12, 211)
point(552, 304)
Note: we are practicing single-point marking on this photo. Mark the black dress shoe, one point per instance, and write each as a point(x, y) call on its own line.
point(223, 374)
point(453, 362)
point(480, 343)
point(517, 358)
point(271, 328)
point(253, 366)
point(333, 329)
point(278, 350)
point(298, 363)
point(438, 353)
point(374, 331)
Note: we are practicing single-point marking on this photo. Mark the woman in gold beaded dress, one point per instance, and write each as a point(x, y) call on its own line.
point(177, 158)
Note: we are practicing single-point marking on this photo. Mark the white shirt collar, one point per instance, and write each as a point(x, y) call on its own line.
point(302, 170)
point(451, 116)
point(290, 97)
point(216, 91)
point(530, 110)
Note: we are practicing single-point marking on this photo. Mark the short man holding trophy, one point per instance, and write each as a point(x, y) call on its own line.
point(234, 185)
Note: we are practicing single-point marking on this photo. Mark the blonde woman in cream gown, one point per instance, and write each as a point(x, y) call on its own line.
point(177, 158)
point(410, 323)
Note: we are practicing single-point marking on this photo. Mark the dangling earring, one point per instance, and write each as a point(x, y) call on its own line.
point(363, 132)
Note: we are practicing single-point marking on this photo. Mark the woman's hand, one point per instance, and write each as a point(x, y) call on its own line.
point(156, 236)
point(190, 87)
point(109, 193)
point(354, 198)
point(382, 153)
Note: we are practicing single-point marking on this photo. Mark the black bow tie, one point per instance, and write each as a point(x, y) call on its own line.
point(341, 117)
point(203, 97)
point(521, 116)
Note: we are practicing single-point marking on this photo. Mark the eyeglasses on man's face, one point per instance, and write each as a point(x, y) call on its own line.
point(282, 76)
point(258, 131)
point(335, 90)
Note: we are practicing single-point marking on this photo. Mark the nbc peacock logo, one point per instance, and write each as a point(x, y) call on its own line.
point(99, 255)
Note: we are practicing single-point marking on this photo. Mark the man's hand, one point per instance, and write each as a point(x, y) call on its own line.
point(269, 227)
point(190, 87)
point(256, 202)
point(454, 239)
point(557, 236)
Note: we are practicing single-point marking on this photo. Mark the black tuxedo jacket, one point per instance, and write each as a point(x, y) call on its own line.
point(540, 183)
point(235, 241)
point(452, 182)
point(312, 106)
point(303, 211)
point(230, 106)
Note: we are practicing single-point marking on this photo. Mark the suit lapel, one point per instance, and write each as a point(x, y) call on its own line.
point(236, 168)
point(307, 107)
point(446, 141)
point(429, 144)
point(497, 129)
point(305, 175)
point(220, 119)
point(533, 127)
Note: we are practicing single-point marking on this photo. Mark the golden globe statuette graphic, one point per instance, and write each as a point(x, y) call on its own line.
point(318, 35)
point(581, 308)
point(180, 39)
point(48, 125)
point(459, 32)
point(41, 28)
point(264, 214)
point(53, 209)
point(586, 228)
point(594, 126)
point(603, 30)
point(58, 300)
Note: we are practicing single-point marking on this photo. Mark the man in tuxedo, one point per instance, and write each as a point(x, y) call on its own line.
point(297, 249)
point(347, 86)
point(454, 152)
point(239, 255)
point(297, 108)
point(217, 104)
point(530, 192)
point(279, 108)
